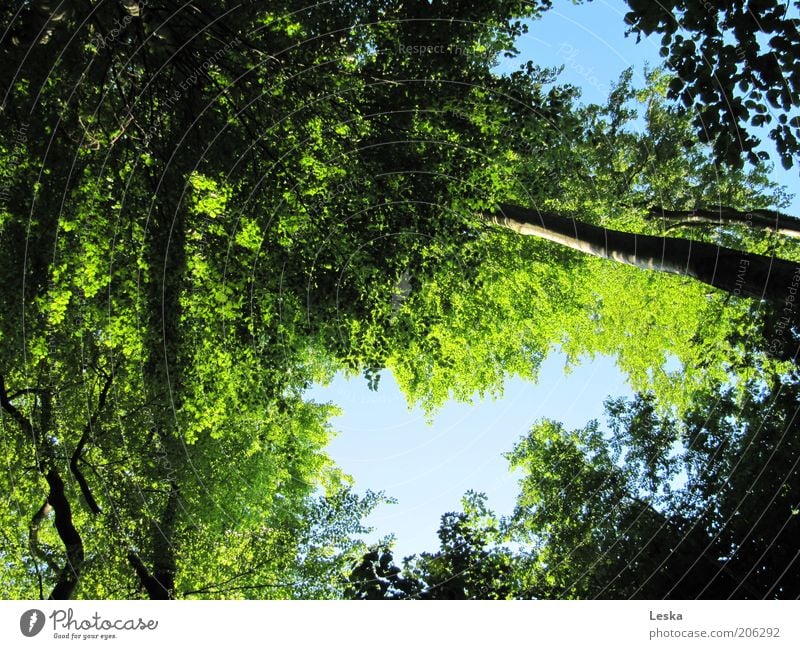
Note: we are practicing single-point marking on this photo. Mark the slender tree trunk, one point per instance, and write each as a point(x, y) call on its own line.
point(164, 562)
point(73, 545)
point(163, 371)
point(161, 583)
point(736, 272)
point(77, 455)
point(153, 588)
point(769, 220)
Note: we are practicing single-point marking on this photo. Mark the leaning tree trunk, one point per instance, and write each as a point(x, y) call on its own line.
point(738, 273)
point(768, 220)
point(57, 500)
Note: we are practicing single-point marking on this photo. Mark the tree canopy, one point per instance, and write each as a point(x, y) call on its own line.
point(654, 507)
point(205, 210)
point(735, 64)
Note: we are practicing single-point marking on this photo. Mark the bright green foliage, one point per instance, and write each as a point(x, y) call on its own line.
point(203, 216)
point(191, 237)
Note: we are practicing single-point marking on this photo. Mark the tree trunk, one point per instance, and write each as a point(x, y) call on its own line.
point(763, 219)
point(161, 583)
point(163, 369)
point(73, 545)
point(154, 589)
point(56, 500)
point(164, 562)
point(736, 272)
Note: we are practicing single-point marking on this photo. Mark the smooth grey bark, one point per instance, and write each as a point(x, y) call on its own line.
point(734, 271)
point(769, 220)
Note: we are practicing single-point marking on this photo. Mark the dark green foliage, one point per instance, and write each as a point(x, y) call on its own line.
point(702, 507)
point(706, 507)
point(736, 67)
point(471, 563)
point(205, 209)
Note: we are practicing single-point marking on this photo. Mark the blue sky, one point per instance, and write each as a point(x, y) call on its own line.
point(385, 446)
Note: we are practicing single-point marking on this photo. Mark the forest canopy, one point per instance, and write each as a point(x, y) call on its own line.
point(205, 210)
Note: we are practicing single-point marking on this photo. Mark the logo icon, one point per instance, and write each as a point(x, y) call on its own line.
point(31, 622)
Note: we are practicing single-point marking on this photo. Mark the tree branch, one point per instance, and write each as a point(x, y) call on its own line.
point(153, 588)
point(16, 415)
point(689, 224)
point(160, 584)
point(77, 454)
point(69, 575)
point(770, 220)
point(739, 273)
point(18, 393)
point(33, 537)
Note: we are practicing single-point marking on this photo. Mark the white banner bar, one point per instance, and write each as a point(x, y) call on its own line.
point(390, 625)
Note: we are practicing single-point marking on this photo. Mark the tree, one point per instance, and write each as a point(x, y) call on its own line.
point(606, 520)
point(590, 532)
point(123, 281)
point(734, 271)
point(649, 183)
point(653, 508)
point(155, 268)
point(205, 210)
point(472, 562)
point(734, 64)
